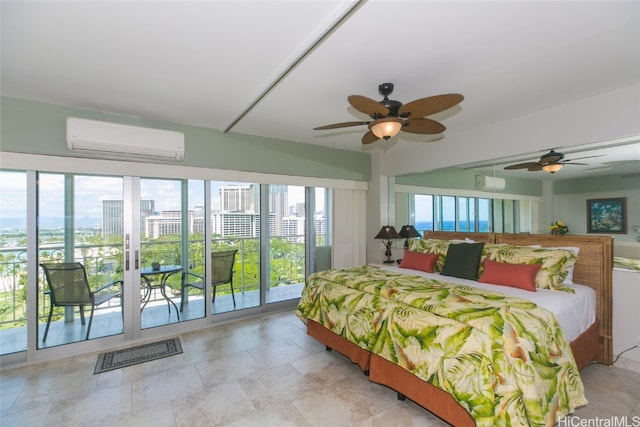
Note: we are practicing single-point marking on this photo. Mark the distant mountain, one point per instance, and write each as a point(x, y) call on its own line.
point(13, 223)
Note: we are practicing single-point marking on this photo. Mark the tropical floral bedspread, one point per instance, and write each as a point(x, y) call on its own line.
point(505, 360)
point(626, 263)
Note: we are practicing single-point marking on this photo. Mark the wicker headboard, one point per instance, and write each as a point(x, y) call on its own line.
point(594, 268)
point(455, 235)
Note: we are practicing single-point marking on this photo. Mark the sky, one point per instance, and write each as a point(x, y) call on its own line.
point(92, 190)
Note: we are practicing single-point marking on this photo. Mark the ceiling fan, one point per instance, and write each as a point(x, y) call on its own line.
point(390, 117)
point(551, 162)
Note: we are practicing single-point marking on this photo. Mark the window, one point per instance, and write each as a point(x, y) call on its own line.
point(469, 214)
point(13, 261)
point(423, 211)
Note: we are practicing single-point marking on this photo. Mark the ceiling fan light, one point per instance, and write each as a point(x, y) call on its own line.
point(386, 128)
point(552, 167)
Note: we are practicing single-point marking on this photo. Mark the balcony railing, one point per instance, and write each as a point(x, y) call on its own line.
point(104, 263)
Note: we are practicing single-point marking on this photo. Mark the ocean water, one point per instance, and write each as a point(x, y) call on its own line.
point(450, 226)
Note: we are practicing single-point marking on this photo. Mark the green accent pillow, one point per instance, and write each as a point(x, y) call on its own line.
point(463, 260)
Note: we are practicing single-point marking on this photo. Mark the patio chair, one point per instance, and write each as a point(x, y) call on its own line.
point(68, 287)
point(221, 274)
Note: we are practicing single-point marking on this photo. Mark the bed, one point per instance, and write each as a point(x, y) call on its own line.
point(378, 297)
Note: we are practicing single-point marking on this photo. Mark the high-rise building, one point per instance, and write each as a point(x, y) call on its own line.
point(166, 223)
point(278, 206)
point(230, 224)
point(112, 216)
point(147, 208)
point(293, 228)
point(197, 223)
point(238, 198)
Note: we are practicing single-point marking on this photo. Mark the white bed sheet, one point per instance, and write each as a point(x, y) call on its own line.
point(574, 312)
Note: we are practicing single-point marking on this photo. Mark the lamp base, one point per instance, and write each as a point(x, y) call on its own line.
point(388, 261)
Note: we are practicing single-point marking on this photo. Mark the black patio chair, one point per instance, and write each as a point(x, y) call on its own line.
point(69, 286)
point(221, 274)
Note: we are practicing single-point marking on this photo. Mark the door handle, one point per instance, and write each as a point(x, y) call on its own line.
point(136, 261)
point(126, 261)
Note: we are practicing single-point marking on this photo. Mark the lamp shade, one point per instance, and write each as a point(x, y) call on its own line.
point(552, 167)
point(388, 232)
point(386, 128)
point(408, 232)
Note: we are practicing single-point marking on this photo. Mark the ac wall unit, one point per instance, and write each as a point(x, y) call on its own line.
point(116, 140)
point(489, 183)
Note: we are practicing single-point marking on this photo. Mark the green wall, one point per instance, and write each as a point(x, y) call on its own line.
point(39, 128)
point(456, 178)
point(596, 184)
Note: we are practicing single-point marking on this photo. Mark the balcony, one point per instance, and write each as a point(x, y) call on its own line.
point(103, 264)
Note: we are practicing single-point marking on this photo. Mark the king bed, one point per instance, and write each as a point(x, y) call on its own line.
point(496, 339)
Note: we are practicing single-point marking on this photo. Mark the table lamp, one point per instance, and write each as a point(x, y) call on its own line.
point(408, 232)
point(388, 233)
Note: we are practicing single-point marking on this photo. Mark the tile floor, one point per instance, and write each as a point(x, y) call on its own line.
point(258, 372)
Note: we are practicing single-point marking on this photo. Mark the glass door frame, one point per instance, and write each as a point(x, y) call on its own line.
point(32, 163)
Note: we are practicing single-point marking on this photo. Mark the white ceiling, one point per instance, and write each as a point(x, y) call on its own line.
point(278, 69)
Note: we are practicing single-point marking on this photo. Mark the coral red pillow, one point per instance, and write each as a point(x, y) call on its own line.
point(418, 261)
point(521, 276)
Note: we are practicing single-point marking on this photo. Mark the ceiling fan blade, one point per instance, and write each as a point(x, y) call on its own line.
point(572, 163)
point(423, 126)
point(588, 157)
point(526, 165)
point(368, 106)
point(369, 137)
point(340, 125)
point(535, 167)
point(430, 105)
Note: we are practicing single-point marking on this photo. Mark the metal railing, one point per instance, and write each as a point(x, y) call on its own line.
point(104, 263)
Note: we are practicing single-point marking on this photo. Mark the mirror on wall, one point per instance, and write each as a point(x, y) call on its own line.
point(615, 164)
point(619, 158)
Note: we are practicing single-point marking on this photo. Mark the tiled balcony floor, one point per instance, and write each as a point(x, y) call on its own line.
point(109, 322)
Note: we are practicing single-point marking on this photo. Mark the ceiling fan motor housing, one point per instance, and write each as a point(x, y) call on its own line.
point(392, 105)
point(551, 157)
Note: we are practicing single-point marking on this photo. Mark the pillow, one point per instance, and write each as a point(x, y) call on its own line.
point(431, 246)
point(418, 261)
point(489, 251)
point(522, 276)
point(463, 260)
point(569, 279)
point(555, 263)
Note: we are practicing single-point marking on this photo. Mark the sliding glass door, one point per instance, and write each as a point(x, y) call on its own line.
point(287, 239)
point(80, 222)
point(235, 241)
point(160, 255)
point(13, 261)
point(159, 240)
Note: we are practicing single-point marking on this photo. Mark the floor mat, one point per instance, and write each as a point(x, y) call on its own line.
point(139, 354)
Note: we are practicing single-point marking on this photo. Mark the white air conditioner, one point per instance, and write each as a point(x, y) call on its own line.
point(489, 183)
point(116, 140)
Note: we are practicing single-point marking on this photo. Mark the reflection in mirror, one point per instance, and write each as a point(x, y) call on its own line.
point(519, 200)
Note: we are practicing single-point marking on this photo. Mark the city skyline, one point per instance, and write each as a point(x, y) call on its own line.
point(90, 191)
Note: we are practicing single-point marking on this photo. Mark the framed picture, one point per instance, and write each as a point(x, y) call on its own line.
point(607, 215)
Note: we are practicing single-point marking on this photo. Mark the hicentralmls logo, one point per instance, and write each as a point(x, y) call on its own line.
point(615, 421)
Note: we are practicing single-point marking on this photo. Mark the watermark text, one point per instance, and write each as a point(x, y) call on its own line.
point(614, 421)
